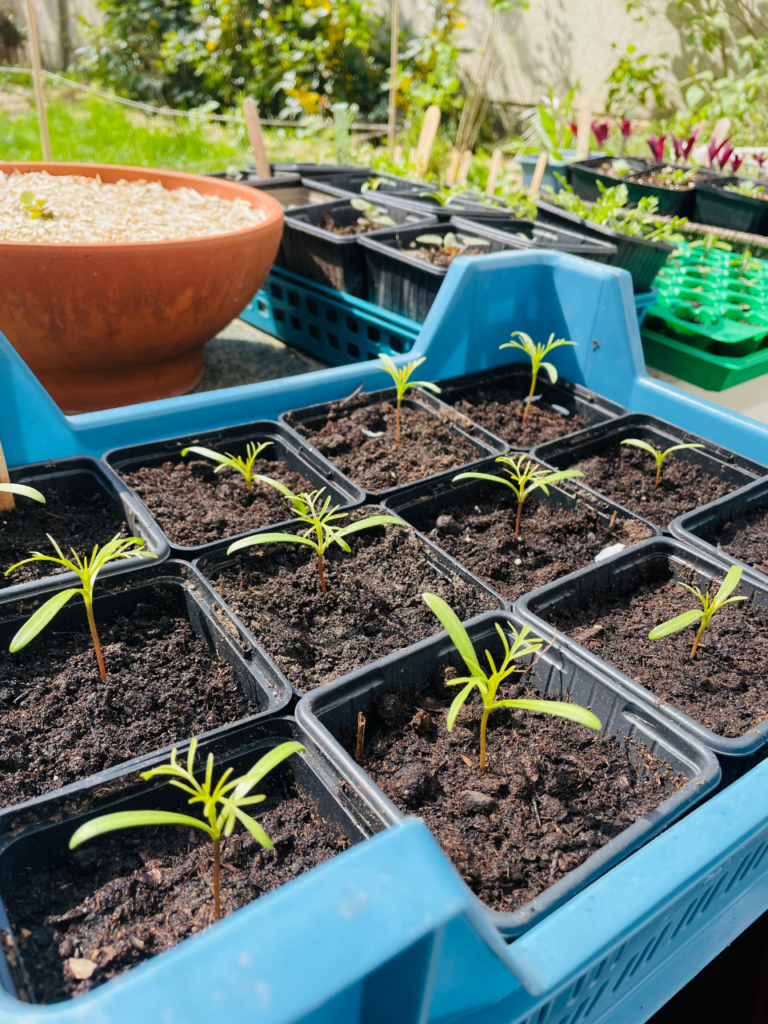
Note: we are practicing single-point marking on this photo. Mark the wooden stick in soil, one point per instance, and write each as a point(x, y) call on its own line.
point(493, 172)
point(412, 156)
point(397, 154)
point(393, 47)
point(584, 126)
point(612, 524)
point(538, 174)
point(253, 124)
point(7, 504)
point(453, 167)
point(37, 77)
point(427, 138)
point(216, 880)
point(466, 160)
point(360, 737)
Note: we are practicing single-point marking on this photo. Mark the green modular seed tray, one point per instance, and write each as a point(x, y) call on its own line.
point(705, 369)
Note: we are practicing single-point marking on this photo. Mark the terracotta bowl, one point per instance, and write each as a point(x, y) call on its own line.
point(115, 323)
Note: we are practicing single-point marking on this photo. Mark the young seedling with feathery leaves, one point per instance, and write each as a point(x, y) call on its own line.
point(320, 519)
point(524, 477)
point(536, 354)
point(657, 453)
point(402, 384)
point(88, 570)
point(709, 605)
point(243, 466)
point(523, 644)
point(232, 795)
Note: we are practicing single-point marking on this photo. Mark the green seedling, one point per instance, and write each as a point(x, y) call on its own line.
point(243, 466)
point(709, 605)
point(36, 208)
point(523, 644)
point(676, 176)
point(524, 477)
point(319, 519)
point(657, 453)
point(372, 216)
point(400, 375)
point(450, 243)
point(745, 188)
point(536, 354)
point(87, 569)
point(23, 491)
point(232, 794)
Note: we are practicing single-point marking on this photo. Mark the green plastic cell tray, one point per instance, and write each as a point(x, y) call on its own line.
point(697, 366)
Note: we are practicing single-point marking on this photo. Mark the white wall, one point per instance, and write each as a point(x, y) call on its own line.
point(48, 25)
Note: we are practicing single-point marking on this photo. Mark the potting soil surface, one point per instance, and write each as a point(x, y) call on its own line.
point(744, 537)
point(74, 521)
point(443, 256)
point(60, 723)
point(551, 793)
point(373, 606)
point(725, 687)
point(195, 505)
point(359, 437)
point(479, 533)
point(120, 900)
point(500, 409)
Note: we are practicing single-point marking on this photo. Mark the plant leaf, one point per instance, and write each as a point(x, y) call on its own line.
point(482, 476)
point(360, 204)
point(254, 828)
point(452, 625)
point(563, 474)
point(551, 372)
point(559, 708)
point(270, 538)
point(23, 490)
point(425, 384)
point(458, 702)
point(208, 453)
point(675, 625)
point(680, 447)
point(37, 622)
point(636, 443)
point(430, 239)
point(131, 819)
point(263, 766)
point(729, 584)
point(363, 524)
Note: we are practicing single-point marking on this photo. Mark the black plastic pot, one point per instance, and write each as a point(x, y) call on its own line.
point(617, 575)
point(319, 170)
point(330, 714)
point(336, 261)
point(287, 447)
point(584, 175)
point(83, 476)
point(573, 399)
point(215, 562)
point(527, 234)
point(342, 183)
point(405, 284)
point(210, 620)
point(724, 209)
point(36, 839)
point(672, 202)
point(694, 527)
point(250, 176)
point(718, 461)
point(290, 193)
point(485, 443)
point(643, 259)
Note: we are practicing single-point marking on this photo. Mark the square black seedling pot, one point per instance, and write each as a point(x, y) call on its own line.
point(691, 527)
point(672, 202)
point(584, 175)
point(38, 838)
point(616, 574)
point(485, 442)
point(335, 261)
point(346, 182)
point(287, 447)
point(573, 398)
point(643, 259)
point(329, 716)
point(405, 284)
point(215, 562)
point(527, 234)
point(565, 452)
point(83, 475)
point(209, 618)
point(729, 210)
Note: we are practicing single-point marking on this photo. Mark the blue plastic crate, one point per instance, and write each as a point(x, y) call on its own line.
point(643, 303)
point(331, 326)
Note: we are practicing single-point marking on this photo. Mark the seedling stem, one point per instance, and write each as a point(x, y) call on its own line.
point(709, 606)
point(536, 354)
point(402, 384)
point(657, 453)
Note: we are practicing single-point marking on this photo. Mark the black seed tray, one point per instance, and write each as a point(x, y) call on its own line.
point(724, 209)
point(528, 234)
point(584, 176)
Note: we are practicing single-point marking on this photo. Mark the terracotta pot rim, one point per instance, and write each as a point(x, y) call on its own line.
point(257, 199)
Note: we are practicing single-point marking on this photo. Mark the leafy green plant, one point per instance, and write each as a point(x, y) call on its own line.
point(233, 795)
point(709, 606)
point(676, 176)
point(611, 210)
point(23, 491)
point(745, 188)
point(550, 123)
point(523, 644)
point(319, 519)
point(657, 453)
point(536, 354)
point(524, 477)
point(401, 375)
point(36, 208)
point(634, 79)
point(88, 570)
point(243, 466)
point(372, 216)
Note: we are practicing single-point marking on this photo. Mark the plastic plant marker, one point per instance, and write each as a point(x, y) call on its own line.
point(400, 376)
point(656, 452)
point(709, 606)
point(232, 795)
point(488, 685)
point(536, 354)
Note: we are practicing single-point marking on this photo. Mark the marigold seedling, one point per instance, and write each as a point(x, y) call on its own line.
point(657, 453)
point(536, 354)
point(709, 605)
point(524, 477)
point(87, 569)
point(320, 519)
point(523, 644)
point(232, 795)
point(372, 216)
point(23, 491)
point(243, 466)
point(400, 376)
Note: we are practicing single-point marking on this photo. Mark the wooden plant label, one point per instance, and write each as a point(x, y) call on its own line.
point(453, 168)
point(253, 124)
point(466, 160)
point(427, 138)
point(584, 126)
point(493, 172)
point(538, 173)
point(6, 500)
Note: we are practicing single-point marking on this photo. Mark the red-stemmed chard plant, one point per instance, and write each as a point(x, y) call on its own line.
point(656, 146)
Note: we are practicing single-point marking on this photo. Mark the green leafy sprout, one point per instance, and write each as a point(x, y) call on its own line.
point(488, 684)
point(709, 605)
point(449, 242)
point(524, 477)
point(36, 208)
point(372, 216)
point(657, 453)
point(232, 795)
point(319, 518)
point(23, 491)
point(87, 569)
point(745, 188)
point(243, 466)
point(400, 375)
point(536, 354)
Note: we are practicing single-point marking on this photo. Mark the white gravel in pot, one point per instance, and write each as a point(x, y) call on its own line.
point(88, 210)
